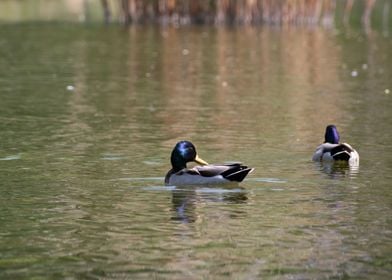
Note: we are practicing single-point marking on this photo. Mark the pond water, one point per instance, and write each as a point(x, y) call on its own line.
point(89, 116)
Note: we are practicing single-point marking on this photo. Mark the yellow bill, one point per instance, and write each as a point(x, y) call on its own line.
point(200, 161)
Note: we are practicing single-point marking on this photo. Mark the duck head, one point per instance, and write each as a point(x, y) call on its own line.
point(332, 135)
point(184, 152)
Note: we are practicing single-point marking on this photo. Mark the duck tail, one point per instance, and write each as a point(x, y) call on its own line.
point(341, 152)
point(237, 174)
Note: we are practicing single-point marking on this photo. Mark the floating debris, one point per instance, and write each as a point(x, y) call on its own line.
point(387, 91)
point(70, 88)
point(354, 73)
point(185, 52)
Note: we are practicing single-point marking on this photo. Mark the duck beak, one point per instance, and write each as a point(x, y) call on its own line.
point(200, 161)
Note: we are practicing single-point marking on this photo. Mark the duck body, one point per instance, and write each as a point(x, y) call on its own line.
point(336, 152)
point(208, 174)
point(331, 150)
point(203, 174)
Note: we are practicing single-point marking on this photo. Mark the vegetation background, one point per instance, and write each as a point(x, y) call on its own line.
point(369, 13)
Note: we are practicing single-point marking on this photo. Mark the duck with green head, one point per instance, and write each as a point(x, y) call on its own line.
point(184, 152)
point(331, 150)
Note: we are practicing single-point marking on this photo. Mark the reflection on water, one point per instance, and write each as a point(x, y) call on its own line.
point(338, 170)
point(82, 170)
point(186, 200)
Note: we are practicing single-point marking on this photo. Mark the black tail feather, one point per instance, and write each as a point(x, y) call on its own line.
point(237, 173)
point(341, 152)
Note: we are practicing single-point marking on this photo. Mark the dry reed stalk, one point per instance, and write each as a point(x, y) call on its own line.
point(247, 12)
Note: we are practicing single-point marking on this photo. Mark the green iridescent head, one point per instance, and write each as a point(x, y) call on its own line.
point(184, 152)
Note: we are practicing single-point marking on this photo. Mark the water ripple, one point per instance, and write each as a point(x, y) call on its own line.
point(267, 180)
point(159, 188)
point(133, 179)
point(12, 157)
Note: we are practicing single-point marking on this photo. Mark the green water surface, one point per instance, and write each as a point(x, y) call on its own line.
point(89, 115)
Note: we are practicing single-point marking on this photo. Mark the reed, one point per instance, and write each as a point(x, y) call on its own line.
point(241, 12)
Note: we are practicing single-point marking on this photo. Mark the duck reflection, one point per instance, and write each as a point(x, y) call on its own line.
point(337, 170)
point(185, 200)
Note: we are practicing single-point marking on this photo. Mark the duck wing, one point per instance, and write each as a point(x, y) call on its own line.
point(235, 172)
point(323, 152)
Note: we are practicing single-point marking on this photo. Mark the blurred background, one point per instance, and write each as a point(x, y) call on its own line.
point(297, 12)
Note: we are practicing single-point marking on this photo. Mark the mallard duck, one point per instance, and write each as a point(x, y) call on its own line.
point(185, 152)
point(331, 150)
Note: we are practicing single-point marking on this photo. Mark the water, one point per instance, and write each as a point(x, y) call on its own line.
point(88, 118)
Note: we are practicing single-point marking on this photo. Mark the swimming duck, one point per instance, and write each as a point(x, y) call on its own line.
point(205, 173)
point(332, 150)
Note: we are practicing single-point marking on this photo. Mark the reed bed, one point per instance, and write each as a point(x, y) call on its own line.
point(242, 12)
